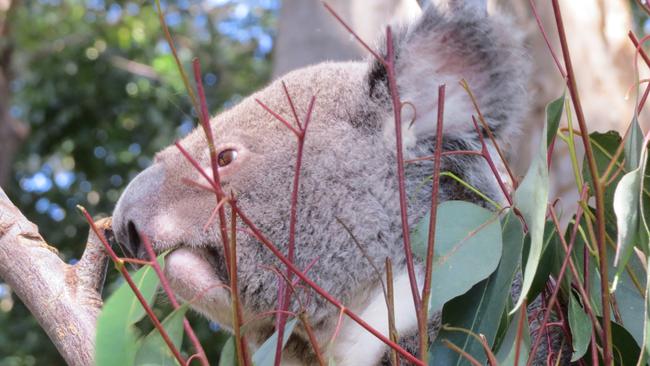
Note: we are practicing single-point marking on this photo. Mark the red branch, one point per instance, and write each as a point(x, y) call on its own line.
point(204, 118)
point(426, 290)
point(284, 293)
point(269, 245)
point(172, 298)
point(119, 264)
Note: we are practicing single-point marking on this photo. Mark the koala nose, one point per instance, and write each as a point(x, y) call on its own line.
point(134, 211)
point(133, 244)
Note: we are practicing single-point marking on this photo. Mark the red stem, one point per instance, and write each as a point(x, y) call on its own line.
point(172, 298)
point(285, 298)
point(258, 234)
point(545, 36)
point(401, 178)
point(426, 290)
point(120, 267)
point(520, 328)
point(204, 118)
point(485, 152)
point(597, 187)
point(556, 290)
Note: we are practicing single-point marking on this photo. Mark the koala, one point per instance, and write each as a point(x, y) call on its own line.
point(348, 175)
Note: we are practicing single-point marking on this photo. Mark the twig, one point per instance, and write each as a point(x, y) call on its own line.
point(426, 290)
point(164, 282)
point(240, 341)
point(329, 298)
point(119, 264)
point(597, 187)
point(462, 352)
point(390, 303)
point(204, 118)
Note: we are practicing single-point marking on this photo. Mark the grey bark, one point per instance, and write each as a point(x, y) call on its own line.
point(65, 299)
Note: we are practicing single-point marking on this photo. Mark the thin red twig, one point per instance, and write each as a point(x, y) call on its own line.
point(597, 187)
point(172, 299)
point(204, 118)
point(426, 290)
point(329, 298)
point(119, 264)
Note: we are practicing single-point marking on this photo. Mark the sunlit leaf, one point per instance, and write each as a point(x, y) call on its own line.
point(531, 198)
point(116, 335)
point(228, 353)
point(481, 308)
point(467, 249)
point(154, 350)
point(265, 355)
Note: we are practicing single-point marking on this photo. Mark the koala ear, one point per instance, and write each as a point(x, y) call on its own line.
point(450, 42)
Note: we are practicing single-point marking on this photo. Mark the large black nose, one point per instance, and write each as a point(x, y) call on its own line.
point(133, 245)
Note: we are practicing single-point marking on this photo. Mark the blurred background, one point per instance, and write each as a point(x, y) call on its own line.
point(89, 91)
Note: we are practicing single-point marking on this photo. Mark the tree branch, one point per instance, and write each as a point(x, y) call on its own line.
point(65, 299)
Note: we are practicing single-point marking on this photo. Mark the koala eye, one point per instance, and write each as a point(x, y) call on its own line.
point(226, 157)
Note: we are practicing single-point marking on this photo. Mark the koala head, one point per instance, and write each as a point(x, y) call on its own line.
point(348, 176)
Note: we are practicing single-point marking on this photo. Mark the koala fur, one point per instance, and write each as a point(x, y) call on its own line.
point(348, 174)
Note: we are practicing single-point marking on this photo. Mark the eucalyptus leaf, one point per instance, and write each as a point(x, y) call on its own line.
point(554, 112)
point(265, 355)
point(154, 350)
point(627, 208)
point(467, 250)
point(116, 335)
point(633, 145)
point(228, 353)
point(625, 349)
point(531, 199)
point(507, 352)
point(480, 310)
point(580, 329)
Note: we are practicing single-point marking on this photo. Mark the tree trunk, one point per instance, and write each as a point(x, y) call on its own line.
point(602, 56)
point(65, 299)
point(12, 132)
point(308, 34)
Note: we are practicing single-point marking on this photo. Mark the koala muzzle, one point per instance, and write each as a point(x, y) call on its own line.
point(133, 212)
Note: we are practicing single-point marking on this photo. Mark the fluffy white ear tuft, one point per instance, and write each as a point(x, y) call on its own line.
point(446, 46)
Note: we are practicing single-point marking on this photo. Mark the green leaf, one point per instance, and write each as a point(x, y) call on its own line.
point(480, 310)
point(531, 198)
point(625, 350)
point(626, 207)
point(604, 146)
point(265, 355)
point(467, 249)
point(580, 329)
point(633, 145)
point(154, 350)
point(116, 336)
point(645, 355)
point(548, 259)
point(228, 353)
point(554, 112)
point(507, 352)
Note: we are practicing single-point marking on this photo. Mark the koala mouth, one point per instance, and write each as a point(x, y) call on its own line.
point(132, 246)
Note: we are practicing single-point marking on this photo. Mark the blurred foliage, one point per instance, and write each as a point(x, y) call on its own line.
point(98, 86)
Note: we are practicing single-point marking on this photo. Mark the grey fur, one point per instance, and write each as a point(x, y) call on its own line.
point(349, 170)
